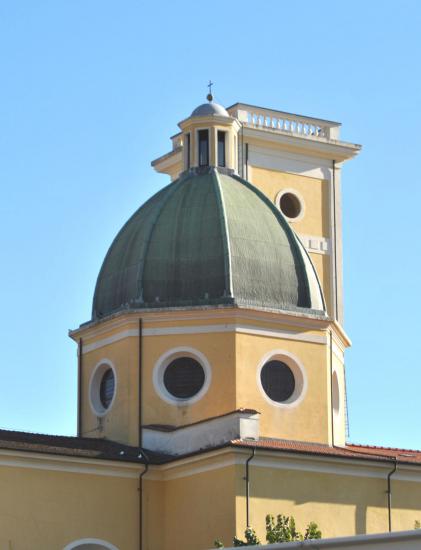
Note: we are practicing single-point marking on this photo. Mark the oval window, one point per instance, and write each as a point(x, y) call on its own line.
point(103, 387)
point(184, 377)
point(290, 205)
point(278, 381)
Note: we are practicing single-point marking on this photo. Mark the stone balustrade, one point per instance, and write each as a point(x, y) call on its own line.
point(266, 119)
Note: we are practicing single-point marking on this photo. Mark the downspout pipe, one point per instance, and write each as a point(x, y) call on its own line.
point(247, 162)
point(247, 480)
point(140, 352)
point(241, 148)
point(79, 387)
point(389, 492)
point(145, 471)
point(335, 258)
point(332, 417)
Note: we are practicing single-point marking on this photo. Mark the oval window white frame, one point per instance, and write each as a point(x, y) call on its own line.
point(162, 364)
point(95, 384)
point(300, 199)
point(82, 542)
point(298, 371)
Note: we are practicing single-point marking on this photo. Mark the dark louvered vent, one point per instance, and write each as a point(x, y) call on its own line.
point(184, 377)
point(278, 381)
point(106, 389)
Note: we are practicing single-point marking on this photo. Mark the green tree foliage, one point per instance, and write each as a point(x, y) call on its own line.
point(283, 529)
point(312, 531)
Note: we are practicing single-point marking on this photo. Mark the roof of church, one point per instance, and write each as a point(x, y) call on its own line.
point(208, 238)
point(357, 452)
point(104, 449)
point(81, 447)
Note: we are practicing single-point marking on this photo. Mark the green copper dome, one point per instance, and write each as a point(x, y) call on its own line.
point(208, 238)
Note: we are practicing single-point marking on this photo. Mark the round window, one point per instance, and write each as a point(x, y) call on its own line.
point(106, 388)
point(184, 377)
point(290, 205)
point(277, 380)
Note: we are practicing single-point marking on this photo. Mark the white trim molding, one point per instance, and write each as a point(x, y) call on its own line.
point(239, 328)
point(77, 465)
point(126, 318)
point(101, 544)
point(162, 364)
point(270, 458)
point(315, 244)
point(285, 161)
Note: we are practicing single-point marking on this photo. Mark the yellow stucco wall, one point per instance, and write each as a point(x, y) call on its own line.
point(205, 499)
point(154, 514)
point(121, 423)
point(46, 509)
point(307, 420)
point(198, 509)
point(220, 397)
point(313, 191)
point(190, 503)
point(341, 505)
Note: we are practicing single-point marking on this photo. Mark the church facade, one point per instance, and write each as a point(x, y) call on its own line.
point(211, 376)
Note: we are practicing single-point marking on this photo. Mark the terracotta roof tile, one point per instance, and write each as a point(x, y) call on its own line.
point(95, 448)
point(82, 447)
point(352, 451)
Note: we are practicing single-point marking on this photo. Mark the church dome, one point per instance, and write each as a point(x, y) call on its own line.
point(209, 109)
point(208, 238)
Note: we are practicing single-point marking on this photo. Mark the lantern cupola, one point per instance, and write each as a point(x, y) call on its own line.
point(208, 137)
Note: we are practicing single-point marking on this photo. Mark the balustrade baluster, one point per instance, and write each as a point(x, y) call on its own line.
point(297, 126)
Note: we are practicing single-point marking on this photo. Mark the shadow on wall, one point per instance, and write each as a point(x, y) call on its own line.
point(308, 489)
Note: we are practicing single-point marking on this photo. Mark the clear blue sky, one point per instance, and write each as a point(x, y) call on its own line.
point(90, 93)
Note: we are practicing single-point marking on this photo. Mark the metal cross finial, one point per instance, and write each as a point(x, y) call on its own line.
point(209, 97)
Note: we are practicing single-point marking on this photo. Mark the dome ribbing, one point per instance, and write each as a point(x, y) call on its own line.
point(207, 239)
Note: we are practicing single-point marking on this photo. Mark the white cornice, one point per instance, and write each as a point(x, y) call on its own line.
point(280, 460)
point(60, 463)
point(167, 161)
point(237, 328)
point(211, 460)
point(156, 315)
